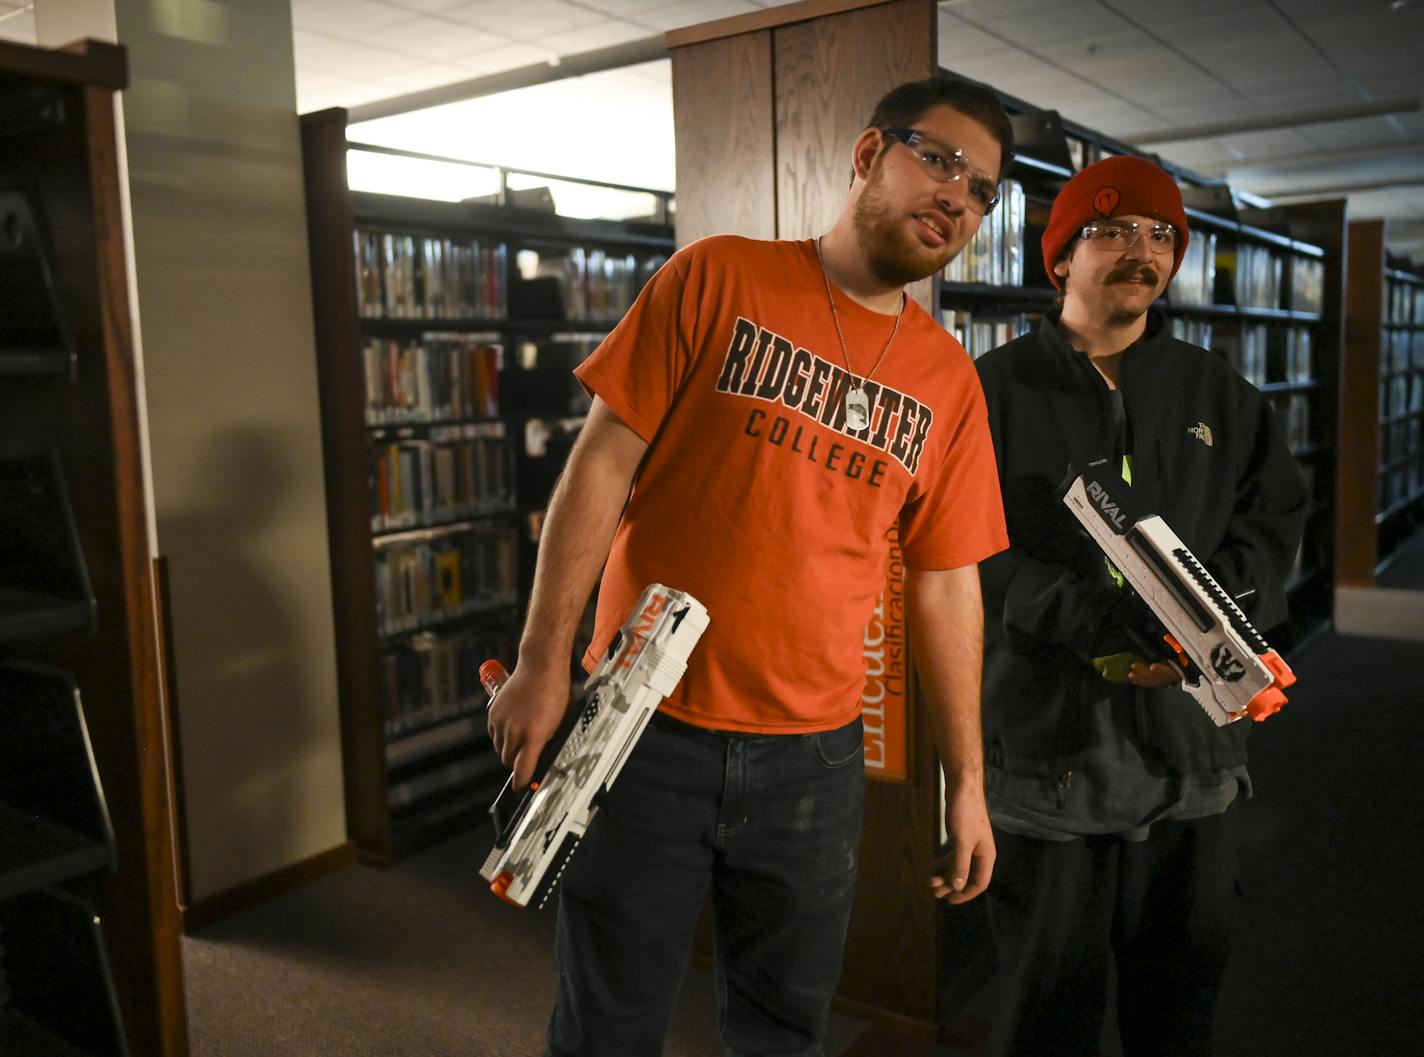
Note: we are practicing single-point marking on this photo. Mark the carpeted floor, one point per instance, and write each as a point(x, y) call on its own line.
point(420, 960)
point(415, 961)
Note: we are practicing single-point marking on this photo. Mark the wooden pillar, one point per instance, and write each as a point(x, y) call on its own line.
point(1356, 534)
point(766, 108)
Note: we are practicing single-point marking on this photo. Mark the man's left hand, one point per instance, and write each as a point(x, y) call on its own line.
point(965, 871)
point(1156, 674)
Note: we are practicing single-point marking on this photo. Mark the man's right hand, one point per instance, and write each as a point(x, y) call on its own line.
point(525, 714)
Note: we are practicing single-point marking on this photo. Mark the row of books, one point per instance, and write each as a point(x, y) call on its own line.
point(1195, 331)
point(433, 377)
point(979, 334)
point(428, 677)
point(1293, 411)
point(1255, 273)
point(1195, 281)
point(599, 285)
point(454, 472)
point(996, 253)
point(423, 581)
point(1401, 394)
point(1400, 440)
point(401, 276)
point(1307, 284)
point(1404, 302)
point(1267, 354)
point(1401, 484)
point(1404, 349)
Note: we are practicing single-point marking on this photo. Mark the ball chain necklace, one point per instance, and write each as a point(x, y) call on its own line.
point(857, 401)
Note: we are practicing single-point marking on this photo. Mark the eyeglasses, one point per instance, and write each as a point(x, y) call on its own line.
point(947, 164)
point(1121, 235)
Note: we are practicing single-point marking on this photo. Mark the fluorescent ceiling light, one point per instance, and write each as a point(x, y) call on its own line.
point(615, 126)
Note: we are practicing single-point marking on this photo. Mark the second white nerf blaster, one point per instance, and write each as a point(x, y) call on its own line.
point(536, 830)
point(1226, 665)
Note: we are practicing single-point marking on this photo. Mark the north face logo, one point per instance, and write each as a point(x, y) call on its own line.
point(1202, 432)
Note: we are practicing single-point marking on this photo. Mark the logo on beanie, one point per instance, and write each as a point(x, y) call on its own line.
point(1106, 200)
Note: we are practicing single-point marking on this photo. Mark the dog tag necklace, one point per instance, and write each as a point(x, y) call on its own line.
point(857, 400)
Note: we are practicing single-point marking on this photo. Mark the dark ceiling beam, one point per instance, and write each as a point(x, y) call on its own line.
point(1274, 122)
point(1346, 187)
point(647, 49)
point(1267, 167)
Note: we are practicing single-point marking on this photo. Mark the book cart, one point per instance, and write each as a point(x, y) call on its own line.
point(446, 332)
point(90, 962)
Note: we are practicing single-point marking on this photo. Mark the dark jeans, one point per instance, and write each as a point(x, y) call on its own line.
point(773, 822)
point(1162, 907)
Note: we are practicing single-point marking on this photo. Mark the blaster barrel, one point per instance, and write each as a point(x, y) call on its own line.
point(538, 829)
point(1234, 672)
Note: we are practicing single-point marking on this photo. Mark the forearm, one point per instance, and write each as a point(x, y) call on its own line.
point(582, 517)
point(946, 619)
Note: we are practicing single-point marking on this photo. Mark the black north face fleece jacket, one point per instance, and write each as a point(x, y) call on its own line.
point(1207, 455)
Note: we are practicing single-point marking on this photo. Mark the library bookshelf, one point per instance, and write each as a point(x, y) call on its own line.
point(90, 958)
point(1399, 508)
point(446, 332)
point(1382, 410)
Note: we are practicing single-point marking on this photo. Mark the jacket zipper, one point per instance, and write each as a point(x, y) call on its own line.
point(1064, 781)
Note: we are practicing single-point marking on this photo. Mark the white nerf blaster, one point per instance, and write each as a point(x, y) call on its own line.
point(538, 829)
point(1225, 663)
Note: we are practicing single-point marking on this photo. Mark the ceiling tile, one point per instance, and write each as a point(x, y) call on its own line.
point(431, 75)
point(690, 14)
point(600, 35)
point(17, 24)
point(430, 38)
point(628, 8)
point(527, 20)
point(344, 16)
point(428, 6)
point(505, 57)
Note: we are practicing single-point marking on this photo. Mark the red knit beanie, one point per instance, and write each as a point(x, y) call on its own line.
point(1110, 188)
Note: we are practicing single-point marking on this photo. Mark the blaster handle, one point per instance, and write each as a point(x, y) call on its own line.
point(493, 676)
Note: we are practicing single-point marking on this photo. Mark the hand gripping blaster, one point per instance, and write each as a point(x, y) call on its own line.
point(536, 831)
point(1225, 663)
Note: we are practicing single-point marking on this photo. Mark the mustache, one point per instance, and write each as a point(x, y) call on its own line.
point(1135, 271)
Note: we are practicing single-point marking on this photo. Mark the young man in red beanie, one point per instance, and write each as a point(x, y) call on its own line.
point(1112, 794)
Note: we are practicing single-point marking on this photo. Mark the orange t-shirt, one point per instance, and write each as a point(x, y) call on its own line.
point(757, 499)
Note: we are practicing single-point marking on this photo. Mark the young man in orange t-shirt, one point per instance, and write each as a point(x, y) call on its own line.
point(762, 416)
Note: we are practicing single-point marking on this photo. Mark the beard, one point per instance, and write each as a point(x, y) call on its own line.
point(892, 256)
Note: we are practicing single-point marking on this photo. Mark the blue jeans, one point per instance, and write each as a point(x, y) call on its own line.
point(773, 822)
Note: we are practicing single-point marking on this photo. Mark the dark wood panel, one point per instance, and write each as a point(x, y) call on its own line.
point(891, 954)
point(829, 75)
point(158, 1000)
point(1356, 536)
point(167, 672)
point(72, 170)
point(341, 380)
point(1324, 224)
point(722, 109)
point(83, 62)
